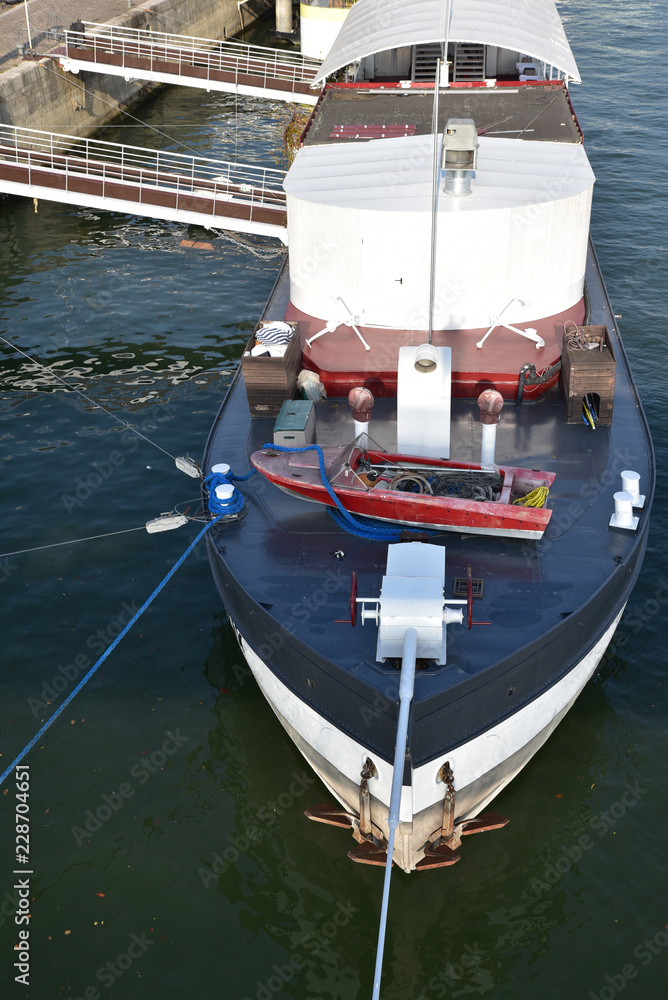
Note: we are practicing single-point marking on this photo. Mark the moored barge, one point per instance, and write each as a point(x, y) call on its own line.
point(439, 257)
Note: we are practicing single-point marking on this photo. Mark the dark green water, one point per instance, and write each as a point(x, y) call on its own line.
point(202, 878)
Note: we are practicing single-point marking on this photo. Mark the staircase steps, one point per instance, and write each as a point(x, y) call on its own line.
point(425, 60)
point(469, 62)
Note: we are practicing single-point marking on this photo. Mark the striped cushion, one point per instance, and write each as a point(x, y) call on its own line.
point(274, 333)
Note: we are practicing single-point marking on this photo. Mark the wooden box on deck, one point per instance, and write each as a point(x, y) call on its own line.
point(588, 373)
point(270, 381)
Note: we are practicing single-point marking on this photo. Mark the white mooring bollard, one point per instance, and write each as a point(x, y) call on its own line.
point(623, 515)
point(631, 484)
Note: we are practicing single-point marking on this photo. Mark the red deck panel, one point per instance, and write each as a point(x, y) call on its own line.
point(342, 362)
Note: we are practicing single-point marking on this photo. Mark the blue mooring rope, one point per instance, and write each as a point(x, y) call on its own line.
point(235, 503)
point(343, 517)
point(219, 509)
point(106, 653)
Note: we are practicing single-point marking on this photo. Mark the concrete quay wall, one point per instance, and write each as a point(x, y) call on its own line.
point(41, 95)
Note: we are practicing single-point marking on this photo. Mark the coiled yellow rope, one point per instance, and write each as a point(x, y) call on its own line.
point(536, 498)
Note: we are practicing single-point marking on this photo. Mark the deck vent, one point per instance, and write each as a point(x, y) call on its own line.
point(491, 403)
point(460, 587)
point(459, 155)
point(426, 359)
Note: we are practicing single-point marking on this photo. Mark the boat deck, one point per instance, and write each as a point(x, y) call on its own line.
point(537, 112)
point(287, 567)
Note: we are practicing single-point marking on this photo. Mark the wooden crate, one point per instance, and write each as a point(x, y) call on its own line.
point(270, 381)
point(588, 373)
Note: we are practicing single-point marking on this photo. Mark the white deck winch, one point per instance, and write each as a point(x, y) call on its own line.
point(411, 596)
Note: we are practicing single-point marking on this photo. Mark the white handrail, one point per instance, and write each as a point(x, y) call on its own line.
point(168, 168)
point(224, 56)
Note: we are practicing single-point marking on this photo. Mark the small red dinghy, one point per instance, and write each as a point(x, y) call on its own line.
point(430, 493)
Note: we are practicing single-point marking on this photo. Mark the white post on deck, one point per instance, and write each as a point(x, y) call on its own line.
point(406, 688)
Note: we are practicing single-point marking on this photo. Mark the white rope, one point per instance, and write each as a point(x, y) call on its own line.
point(71, 541)
point(261, 250)
point(99, 406)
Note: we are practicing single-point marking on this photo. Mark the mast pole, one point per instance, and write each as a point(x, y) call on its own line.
point(435, 171)
point(406, 688)
point(434, 196)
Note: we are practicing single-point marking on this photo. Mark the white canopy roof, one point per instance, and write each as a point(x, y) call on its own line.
point(532, 27)
point(395, 175)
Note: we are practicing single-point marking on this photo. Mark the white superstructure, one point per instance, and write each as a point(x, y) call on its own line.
point(521, 233)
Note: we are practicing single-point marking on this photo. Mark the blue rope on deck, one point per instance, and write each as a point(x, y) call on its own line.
point(109, 650)
point(349, 522)
point(235, 503)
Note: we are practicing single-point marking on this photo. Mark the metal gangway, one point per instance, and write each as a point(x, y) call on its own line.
point(228, 66)
point(111, 176)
